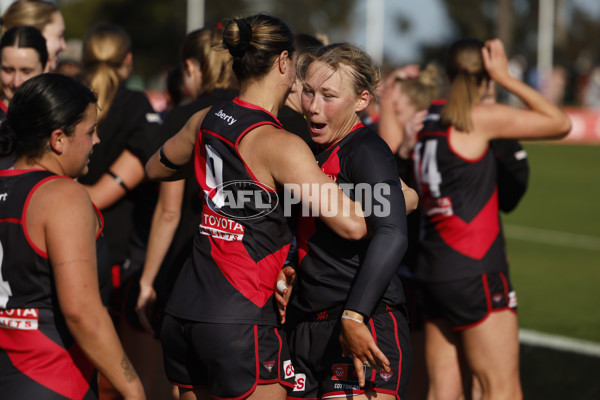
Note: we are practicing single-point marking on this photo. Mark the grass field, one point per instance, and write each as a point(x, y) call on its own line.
point(553, 244)
point(555, 267)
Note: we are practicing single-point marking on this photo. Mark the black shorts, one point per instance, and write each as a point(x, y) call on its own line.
point(416, 321)
point(230, 360)
point(465, 303)
point(321, 371)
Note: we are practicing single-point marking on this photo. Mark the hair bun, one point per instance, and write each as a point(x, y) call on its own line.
point(245, 30)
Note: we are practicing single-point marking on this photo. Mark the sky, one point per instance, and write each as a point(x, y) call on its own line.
point(429, 25)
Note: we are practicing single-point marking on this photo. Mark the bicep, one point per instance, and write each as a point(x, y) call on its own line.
point(70, 236)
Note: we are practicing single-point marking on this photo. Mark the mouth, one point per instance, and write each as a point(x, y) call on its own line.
point(317, 128)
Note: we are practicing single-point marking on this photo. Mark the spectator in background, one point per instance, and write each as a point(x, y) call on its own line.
point(43, 15)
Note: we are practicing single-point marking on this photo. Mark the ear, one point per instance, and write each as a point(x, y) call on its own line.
point(283, 61)
point(363, 101)
point(128, 60)
point(190, 65)
point(57, 141)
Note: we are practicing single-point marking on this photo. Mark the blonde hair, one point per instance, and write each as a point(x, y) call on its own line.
point(363, 71)
point(423, 89)
point(36, 13)
point(204, 46)
point(105, 48)
point(466, 72)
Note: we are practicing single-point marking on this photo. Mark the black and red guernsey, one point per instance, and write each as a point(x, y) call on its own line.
point(243, 239)
point(462, 234)
point(38, 356)
point(357, 274)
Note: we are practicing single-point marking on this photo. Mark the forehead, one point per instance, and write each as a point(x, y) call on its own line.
point(320, 75)
point(19, 56)
point(56, 25)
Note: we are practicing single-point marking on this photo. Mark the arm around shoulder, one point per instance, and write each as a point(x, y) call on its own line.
point(293, 165)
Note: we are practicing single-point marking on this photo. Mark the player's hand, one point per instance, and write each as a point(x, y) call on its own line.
point(495, 60)
point(411, 128)
point(145, 306)
point(357, 342)
point(284, 291)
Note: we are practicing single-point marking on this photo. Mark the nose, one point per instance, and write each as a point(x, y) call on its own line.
point(95, 138)
point(17, 80)
point(314, 106)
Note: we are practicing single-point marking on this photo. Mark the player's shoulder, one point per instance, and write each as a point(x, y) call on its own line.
point(366, 141)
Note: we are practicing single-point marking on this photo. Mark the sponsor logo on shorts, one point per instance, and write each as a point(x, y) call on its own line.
point(340, 372)
point(19, 318)
point(512, 299)
point(322, 315)
point(386, 375)
point(300, 383)
point(497, 298)
point(346, 386)
point(269, 365)
point(288, 369)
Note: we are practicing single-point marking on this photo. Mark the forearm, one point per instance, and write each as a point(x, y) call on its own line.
point(96, 335)
point(532, 98)
point(105, 192)
point(380, 264)
point(123, 175)
point(384, 252)
point(390, 129)
point(165, 221)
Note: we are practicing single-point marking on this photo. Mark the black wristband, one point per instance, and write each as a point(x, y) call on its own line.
point(118, 180)
point(166, 162)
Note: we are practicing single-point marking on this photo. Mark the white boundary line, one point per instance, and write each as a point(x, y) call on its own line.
point(546, 236)
point(556, 342)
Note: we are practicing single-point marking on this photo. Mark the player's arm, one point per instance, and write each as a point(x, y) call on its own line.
point(411, 198)
point(175, 153)
point(70, 226)
point(292, 165)
point(387, 220)
point(165, 220)
point(542, 118)
point(123, 175)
